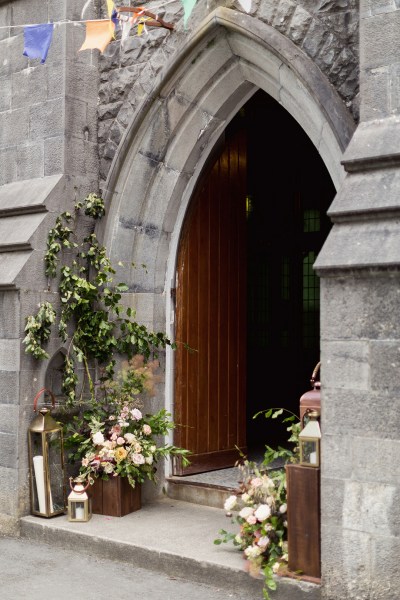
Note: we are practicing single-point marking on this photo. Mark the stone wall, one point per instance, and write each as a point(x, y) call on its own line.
point(48, 158)
point(360, 303)
point(324, 30)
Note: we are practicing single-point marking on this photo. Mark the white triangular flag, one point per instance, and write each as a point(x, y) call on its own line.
point(126, 27)
point(245, 4)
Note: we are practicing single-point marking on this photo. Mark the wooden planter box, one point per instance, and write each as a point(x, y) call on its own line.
point(115, 497)
point(303, 515)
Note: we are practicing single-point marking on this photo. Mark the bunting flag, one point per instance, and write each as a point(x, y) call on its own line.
point(126, 27)
point(188, 6)
point(98, 35)
point(110, 7)
point(245, 4)
point(37, 40)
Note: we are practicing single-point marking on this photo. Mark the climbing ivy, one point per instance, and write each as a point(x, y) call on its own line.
point(92, 320)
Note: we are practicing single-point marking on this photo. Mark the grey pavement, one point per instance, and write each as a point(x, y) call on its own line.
point(36, 571)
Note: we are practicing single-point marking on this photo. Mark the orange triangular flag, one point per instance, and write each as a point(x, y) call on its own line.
point(98, 35)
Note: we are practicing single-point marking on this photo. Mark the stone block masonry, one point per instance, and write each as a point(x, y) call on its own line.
point(325, 31)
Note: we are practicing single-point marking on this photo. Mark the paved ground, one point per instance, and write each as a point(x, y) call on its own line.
point(36, 571)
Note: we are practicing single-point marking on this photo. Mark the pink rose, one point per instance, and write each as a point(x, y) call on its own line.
point(251, 519)
point(146, 429)
point(120, 441)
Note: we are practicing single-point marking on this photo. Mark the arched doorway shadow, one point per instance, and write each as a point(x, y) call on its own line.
point(247, 295)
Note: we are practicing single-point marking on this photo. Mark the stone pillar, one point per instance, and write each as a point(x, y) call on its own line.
point(360, 329)
point(48, 159)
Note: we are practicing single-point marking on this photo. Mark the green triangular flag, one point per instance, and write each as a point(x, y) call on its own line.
point(188, 6)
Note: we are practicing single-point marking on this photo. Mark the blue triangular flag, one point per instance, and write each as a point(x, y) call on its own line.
point(37, 40)
point(114, 18)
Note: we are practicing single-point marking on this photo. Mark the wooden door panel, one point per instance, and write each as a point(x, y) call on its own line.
point(210, 382)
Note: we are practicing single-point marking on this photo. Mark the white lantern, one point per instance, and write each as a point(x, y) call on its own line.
point(309, 440)
point(79, 503)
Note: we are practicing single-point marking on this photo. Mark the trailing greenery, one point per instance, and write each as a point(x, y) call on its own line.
point(92, 317)
point(38, 329)
point(260, 507)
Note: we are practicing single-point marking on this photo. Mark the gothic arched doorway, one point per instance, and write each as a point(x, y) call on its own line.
point(247, 299)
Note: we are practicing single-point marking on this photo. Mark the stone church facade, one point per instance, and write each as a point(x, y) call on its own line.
point(139, 125)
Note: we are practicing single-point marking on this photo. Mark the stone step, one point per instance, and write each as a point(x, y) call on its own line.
point(167, 536)
point(204, 494)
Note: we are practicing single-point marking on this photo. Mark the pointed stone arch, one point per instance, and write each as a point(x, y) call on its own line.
point(161, 155)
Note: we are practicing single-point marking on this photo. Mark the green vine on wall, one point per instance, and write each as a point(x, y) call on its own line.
point(92, 318)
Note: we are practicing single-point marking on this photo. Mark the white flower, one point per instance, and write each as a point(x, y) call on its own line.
point(270, 501)
point(246, 512)
point(230, 503)
point(275, 567)
point(245, 497)
point(263, 512)
point(152, 449)
point(98, 438)
point(136, 414)
point(283, 508)
point(252, 551)
point(263, 541)
point(149, 460)
point(129, 437)
point(137, 459)
point(238, 538)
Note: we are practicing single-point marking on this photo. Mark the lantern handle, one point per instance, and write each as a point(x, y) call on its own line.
point(40, 392)
point(314, 374)
point(78, 491)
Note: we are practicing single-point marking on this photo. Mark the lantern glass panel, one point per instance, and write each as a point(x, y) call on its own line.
point(55, 463)
point(77, 510)
point(309, 452)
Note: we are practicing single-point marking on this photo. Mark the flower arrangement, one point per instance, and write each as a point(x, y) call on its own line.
point(114, 437)
point(260, 507)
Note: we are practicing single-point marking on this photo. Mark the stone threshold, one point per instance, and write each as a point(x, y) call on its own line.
point(169, 536)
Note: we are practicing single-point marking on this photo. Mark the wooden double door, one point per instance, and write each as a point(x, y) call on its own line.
point(210, 382)
point(247, 300)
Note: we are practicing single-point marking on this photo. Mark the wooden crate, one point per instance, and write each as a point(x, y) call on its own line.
point(115, 497)
point(304, 520)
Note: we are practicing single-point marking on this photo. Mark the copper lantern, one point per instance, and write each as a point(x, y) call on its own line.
point(311, 400)
point(79, 503)
point(46, 462)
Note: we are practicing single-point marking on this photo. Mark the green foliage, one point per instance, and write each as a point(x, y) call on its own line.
point(261, 505)
point(38, 330)
point(92, 316)
point(293, 427)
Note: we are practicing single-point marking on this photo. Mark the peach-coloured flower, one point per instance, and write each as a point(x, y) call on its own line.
point(146, 429)
point(120, 454)
point(251, 519)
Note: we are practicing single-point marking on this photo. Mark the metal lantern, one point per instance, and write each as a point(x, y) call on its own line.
point(311, 400)
point(79, 503)
point(309, 440)
point(46, 462)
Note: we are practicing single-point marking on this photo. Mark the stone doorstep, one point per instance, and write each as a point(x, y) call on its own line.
point(205, 494)
point(168, 536)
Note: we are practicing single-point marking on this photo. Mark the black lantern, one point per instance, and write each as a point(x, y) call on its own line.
point(46, 462)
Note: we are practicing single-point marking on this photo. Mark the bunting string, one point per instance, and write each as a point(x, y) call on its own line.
point(100, 32)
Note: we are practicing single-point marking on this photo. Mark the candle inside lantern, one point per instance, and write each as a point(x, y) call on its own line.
point(313, 458)
point(79, 511)
point(40, 485)
point(39, 479)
